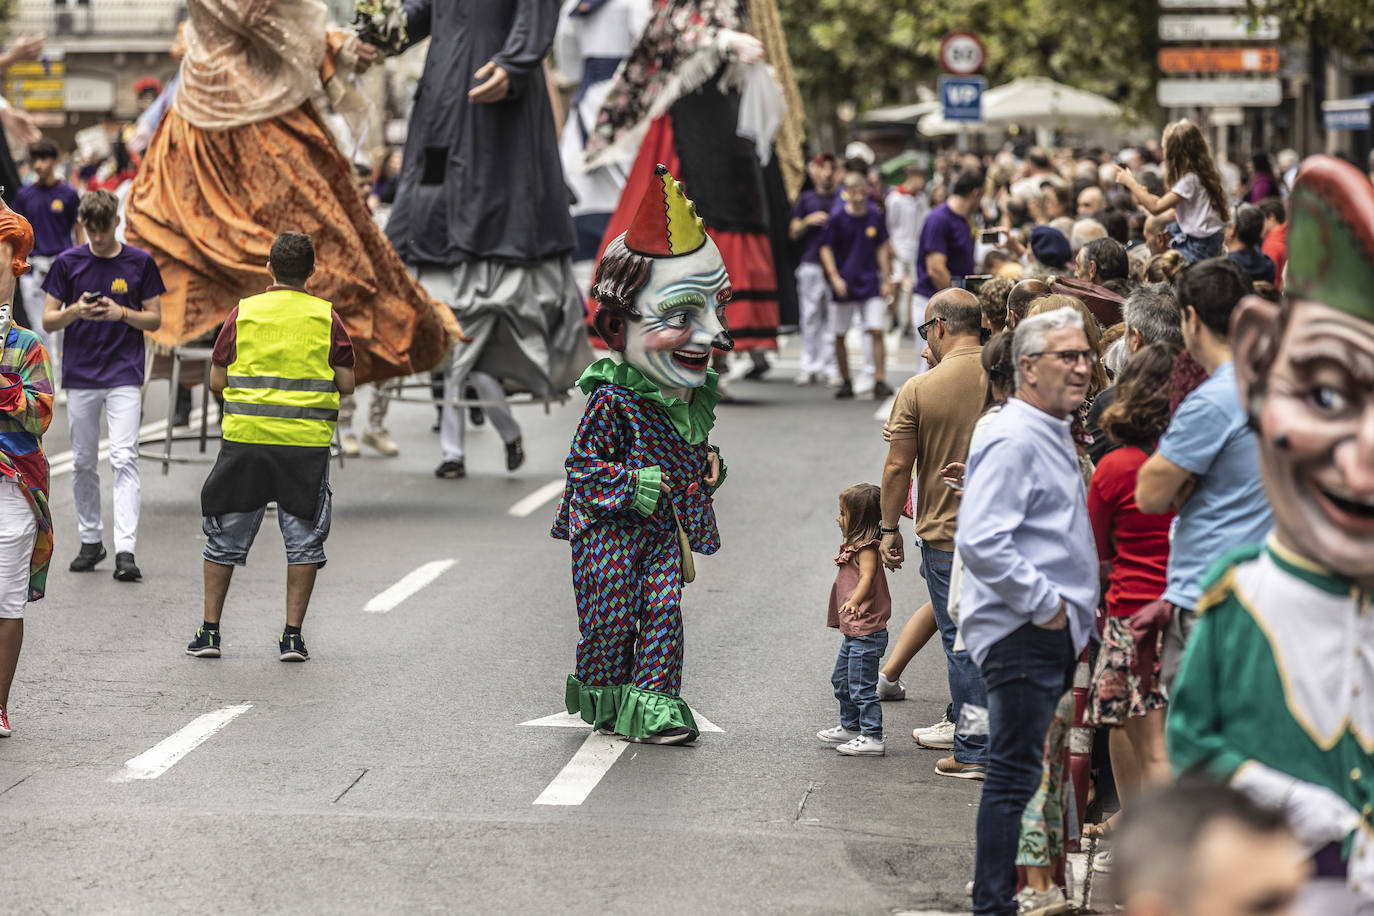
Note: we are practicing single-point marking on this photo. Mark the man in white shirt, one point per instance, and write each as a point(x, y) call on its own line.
point(906, 206)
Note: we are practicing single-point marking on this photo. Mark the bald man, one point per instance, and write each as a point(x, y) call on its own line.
point(930, 426)
point(1020, 298)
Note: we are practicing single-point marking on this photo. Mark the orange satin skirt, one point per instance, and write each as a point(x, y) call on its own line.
point(208, 203)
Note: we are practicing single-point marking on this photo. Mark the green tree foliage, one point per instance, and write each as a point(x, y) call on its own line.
point(874, 51)
point(1341, 25)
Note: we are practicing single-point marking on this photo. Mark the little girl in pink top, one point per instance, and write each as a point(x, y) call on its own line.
point(860, 606)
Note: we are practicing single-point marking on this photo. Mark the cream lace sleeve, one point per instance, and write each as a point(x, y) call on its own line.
point(249, 60)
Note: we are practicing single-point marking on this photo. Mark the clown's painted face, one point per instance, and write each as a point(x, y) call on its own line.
point(6, 318)
point(681, 317)
point(1316, 424)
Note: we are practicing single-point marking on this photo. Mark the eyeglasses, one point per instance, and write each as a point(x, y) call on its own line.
point(1069, 358)
point(924, 329)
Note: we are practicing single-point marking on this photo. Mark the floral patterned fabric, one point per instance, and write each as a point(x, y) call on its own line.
point(1117, 691)
point(208, 203)
point(678, 30)
point(1052, 808)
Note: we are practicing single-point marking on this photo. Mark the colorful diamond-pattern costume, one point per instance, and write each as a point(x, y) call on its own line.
point(626, 558)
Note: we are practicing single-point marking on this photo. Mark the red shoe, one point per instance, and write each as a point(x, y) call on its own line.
point(4, 723)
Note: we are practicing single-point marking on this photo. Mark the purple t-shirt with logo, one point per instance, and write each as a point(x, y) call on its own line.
point(855, 240)
point(51, 212)
point(947, 233)
point(809, 202)
point(103, 354)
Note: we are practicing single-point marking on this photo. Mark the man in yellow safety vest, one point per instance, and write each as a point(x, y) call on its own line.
point(282, 360)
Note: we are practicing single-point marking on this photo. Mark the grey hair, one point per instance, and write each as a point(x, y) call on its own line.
point(1153, 310)
point(1116, 357)
point(1031, 334)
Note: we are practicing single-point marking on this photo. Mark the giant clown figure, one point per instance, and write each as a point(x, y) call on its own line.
point(1276, 692)
point(641, 471)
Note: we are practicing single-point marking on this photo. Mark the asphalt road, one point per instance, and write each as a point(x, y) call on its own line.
point(391, 773)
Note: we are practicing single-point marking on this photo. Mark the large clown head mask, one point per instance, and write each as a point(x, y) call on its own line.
point(1306, 373)
point(661, 289)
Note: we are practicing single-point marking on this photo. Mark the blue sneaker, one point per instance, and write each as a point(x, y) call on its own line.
point(292, 648)
point(205, 645)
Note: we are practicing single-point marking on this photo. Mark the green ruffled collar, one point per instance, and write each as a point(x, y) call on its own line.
point(692, 419)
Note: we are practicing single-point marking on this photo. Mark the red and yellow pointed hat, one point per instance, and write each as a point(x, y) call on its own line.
point(666, 224)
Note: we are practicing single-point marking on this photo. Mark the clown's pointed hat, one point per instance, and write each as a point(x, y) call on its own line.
point(1331, 237)
point(666, 224)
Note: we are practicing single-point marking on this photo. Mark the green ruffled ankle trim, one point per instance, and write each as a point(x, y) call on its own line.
point(628, 710)
point(646, 712)
point(596, 705)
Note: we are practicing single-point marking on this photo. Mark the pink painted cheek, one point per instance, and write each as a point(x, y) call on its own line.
point(667, 338)
point(1309, 435)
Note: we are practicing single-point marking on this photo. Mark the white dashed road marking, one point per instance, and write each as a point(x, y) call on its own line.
point(158, 759)
point(411, 583)
point(529, 504)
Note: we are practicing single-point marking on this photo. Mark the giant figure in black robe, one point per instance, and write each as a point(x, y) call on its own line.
point(481, 211)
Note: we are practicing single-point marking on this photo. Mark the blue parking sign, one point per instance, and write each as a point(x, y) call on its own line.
point(962, 98)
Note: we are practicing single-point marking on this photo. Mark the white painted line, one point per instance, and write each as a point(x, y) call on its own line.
point(559, 720)
point(885, 409)
point(576, 781)
point(704, 724)
point(411, 583)
point(158, 759)
point(530, 503)
point(573, 720)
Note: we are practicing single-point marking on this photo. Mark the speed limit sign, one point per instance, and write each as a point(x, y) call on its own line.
point(962, 53)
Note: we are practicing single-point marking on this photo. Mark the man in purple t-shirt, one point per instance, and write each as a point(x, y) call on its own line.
point(809, 216)
point(858, 262)
point(105, 294)
point(946, 248)
point(49, 204)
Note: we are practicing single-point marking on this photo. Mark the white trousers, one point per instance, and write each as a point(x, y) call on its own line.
point(122, 406)
point(18, 528)
point(31, 284)
point(817, 344)
point(452, 422)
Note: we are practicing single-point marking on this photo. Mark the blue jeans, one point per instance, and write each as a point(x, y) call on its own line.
point(1026, 674)
point(1196, 249)
point(856, 683)
point(965, 683)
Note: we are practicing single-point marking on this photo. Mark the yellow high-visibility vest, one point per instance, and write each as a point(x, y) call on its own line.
point(281, 387)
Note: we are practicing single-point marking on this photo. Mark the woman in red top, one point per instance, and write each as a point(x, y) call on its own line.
point(1133, 548)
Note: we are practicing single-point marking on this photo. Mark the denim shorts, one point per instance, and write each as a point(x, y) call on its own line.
point(232, 534)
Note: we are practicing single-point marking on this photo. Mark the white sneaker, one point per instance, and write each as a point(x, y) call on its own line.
point(915, 732)
point(890, 690)
point(863, 746)
point(939, 738)
point(350, 447)
point(1030, 902)
point(1102, 861)
point(833, 381)
point(837, 735)
point(804, 378)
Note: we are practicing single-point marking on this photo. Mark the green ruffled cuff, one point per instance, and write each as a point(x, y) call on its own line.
point(646, 712)
point(596, 705)
point(648, 485)
point(629, 711)
point(720, 481)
